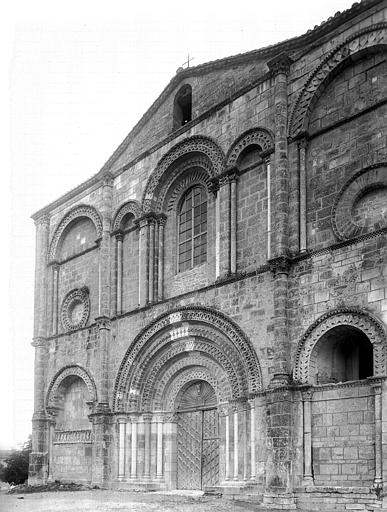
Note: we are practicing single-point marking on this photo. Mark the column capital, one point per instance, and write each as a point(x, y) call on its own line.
point(161, 219)
point(103, 322)
point(42, 220)
point(280, 64)
point(280, 265)
point(39, 341)
point(118, 234)
point(107, 179)
point(147, 416)
point(302, 141)
point(307, 394)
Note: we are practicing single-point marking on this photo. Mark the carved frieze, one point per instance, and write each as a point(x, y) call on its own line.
point(72, 436)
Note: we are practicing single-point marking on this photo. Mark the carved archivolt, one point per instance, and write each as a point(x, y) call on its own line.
point(187, 329)
point(75, 309)
point(195, 144)
point(79, 211)
point(132, 207)
point(64, 373)
point(357, 318)
point(344, 224)
point(257, 136)
point(366, 38)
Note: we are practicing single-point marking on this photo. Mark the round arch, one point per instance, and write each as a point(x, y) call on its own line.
point(370, 38)
point(130, 207)
point(261, 137)
point(64, 373)
point(82, 210)
point(355, 318)
point(188, 337)
point(197, 145)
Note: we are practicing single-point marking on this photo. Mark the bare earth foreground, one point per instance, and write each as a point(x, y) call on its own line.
point(101, 501)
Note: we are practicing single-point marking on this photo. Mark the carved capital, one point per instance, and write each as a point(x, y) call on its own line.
point(171, 417)
point(42, 221)
point(302, 143)
point(307, 394)
point(103, 322)
point(107, 179)
point(39, 341)
point(119, 235)
point(161, 219)
point(280, 64)
point(280, 265)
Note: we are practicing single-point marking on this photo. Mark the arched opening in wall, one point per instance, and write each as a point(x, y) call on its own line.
point(249, 158)
point(197, 436)
point(78, 236)
point(342, 354)
point(72, 440)
point(192, 228)
point(182, 107)
point(130, 263)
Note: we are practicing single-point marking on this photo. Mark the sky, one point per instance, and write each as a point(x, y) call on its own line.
point(76, 77)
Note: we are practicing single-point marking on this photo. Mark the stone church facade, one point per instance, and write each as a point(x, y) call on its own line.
point(211, 307)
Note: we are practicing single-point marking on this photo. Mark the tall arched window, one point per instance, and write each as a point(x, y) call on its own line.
point(182, 110)
point(192, 225)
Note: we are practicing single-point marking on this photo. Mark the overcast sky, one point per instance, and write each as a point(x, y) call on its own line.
point(77, 76)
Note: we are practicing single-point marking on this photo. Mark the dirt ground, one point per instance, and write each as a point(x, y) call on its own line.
point(104, 501)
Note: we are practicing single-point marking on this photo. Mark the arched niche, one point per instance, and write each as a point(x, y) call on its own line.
point(79, 228)
point(125, 215)
point(341, 337)
point(71, 372)
point(247, 148)
point(369, 39)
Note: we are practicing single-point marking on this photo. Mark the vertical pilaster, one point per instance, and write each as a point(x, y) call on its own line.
point(119, 251)
point(121, 447)
point(160, 277)
point(55, 286)
point(144, 261)
point(159, 448)
point(224, 194)
point(151, 258)
point(104, 251)
point(233, 222)
point(377, 389)
point(133, 465)
point(280, 263)
point(227, 447)
point(38, 468)
point(268, 181)
point(147, 444)
point(252, 440)
point(236, 444)
point(215, 189)
point(307, 417)
point(101, 458)
point(302, 146)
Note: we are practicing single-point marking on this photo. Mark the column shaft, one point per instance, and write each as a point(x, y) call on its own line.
point(147, 441)
point(159, 459)
point(227, 472)
point(307, 415)
point(252, 443)
point(302, 195)
point(233, 226)
point(151, 259)
point(119, 241)
point(121, 448)
point(144, 262)
point(236, 446)
point(133, 466)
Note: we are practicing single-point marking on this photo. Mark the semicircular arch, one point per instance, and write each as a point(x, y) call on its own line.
point(356, 318)
point(369, 38)
point(174, 325)
point(64, 373)
point(130, 207)
point(82, 210)
point(261, 137)
point(197, 144)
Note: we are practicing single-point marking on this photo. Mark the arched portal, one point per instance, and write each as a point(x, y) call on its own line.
point(176, 376)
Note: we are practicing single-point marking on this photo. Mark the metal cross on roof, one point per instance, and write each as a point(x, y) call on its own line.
point(189, 59)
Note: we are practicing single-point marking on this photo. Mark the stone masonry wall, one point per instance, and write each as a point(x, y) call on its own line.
point(343, 436)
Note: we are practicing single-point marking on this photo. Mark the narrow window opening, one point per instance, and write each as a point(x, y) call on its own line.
point(192, 225)
point(182, 113)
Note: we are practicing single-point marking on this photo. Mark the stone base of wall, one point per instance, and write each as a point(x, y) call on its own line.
point(338, 498)
point(280, 501)
point(38, 468)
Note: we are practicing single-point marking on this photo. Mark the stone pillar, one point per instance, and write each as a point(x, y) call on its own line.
point(147, 445)
point(119, 248)
point(233, 222)
point(307, 415)
point(143, 261)
point(55, 286)
point(160, 275)
point(215, 189)
point(52, 413)
point(104, 251)
point(244, 426)
point(227, 447)
point(133, 464)
point(224, 194)
point(38, 467)
point(236, 444)
point(121, 447)
point(103, 324)
point(377, 388)
point(280, 66)
point(151, 258)
point(268, 181)
point(159, 447)
point(302, 146)
point(170, 457)
point(252, 440)
point(156, 262)
point(101, 457)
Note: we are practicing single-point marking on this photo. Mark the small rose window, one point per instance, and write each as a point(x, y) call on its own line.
point(75, 309)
